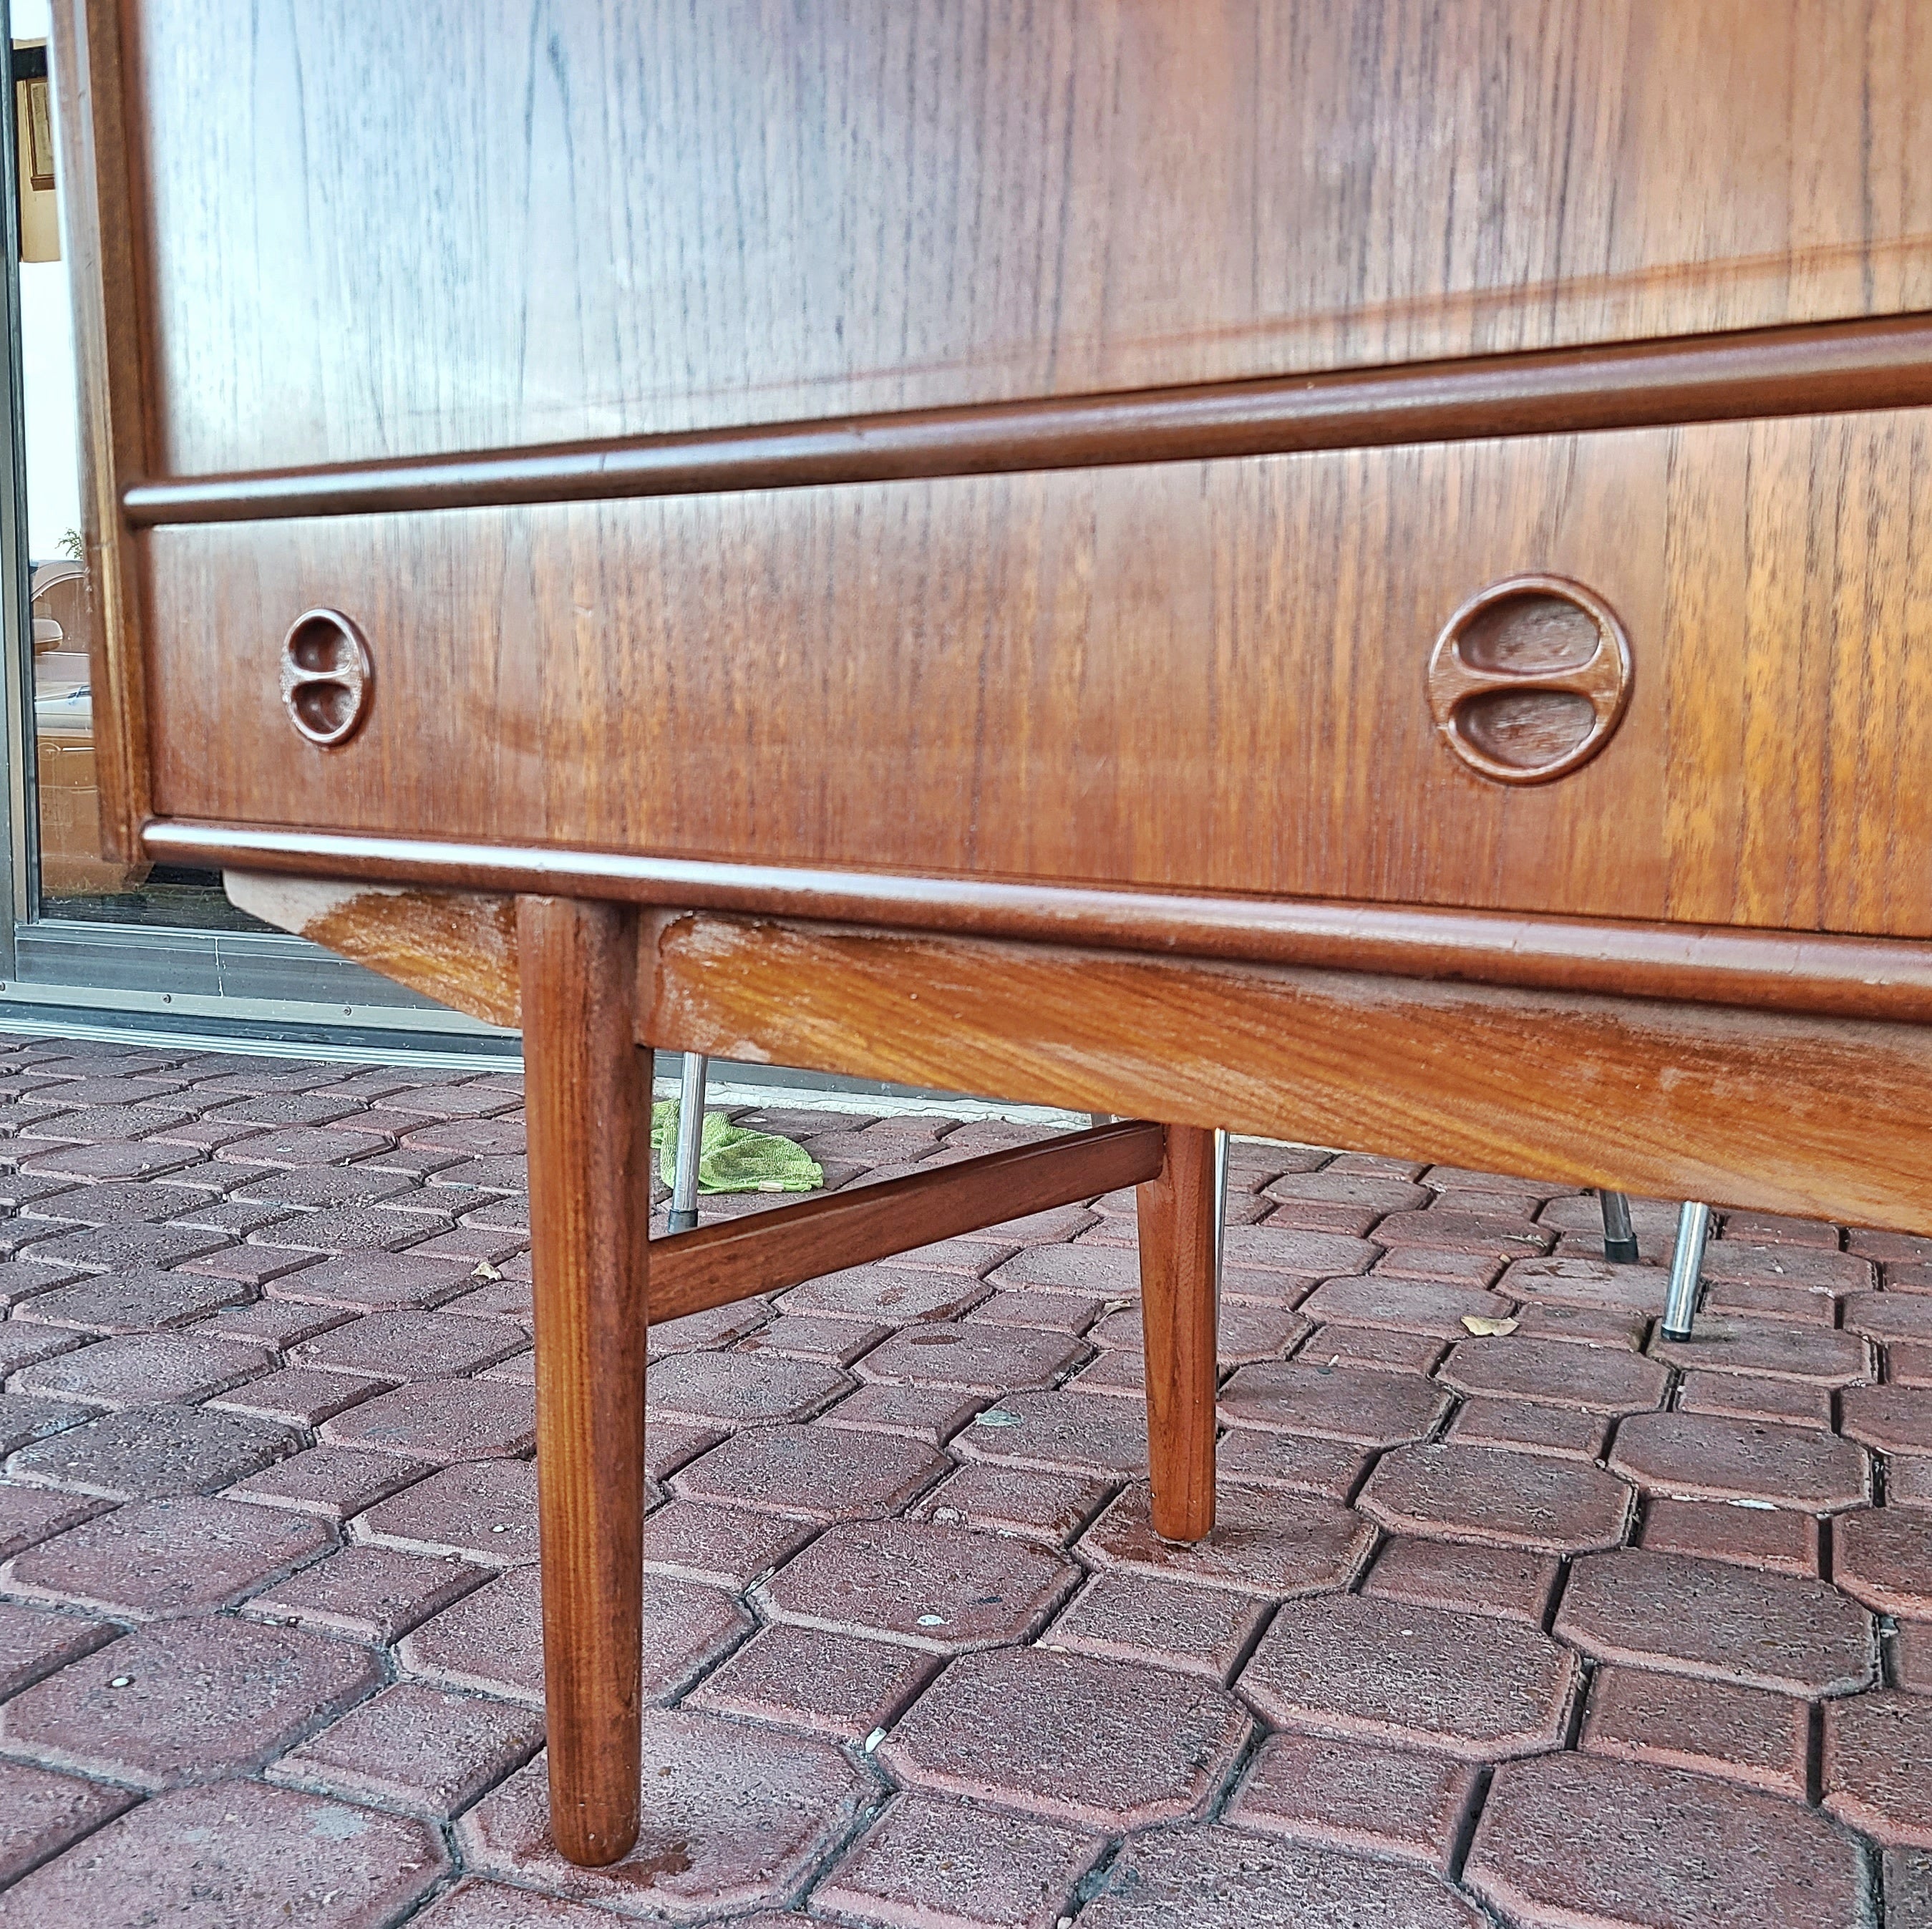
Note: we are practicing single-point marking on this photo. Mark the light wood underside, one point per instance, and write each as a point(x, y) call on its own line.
point(1830, 1118)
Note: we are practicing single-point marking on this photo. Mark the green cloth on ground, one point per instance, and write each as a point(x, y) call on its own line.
point(731, 1159)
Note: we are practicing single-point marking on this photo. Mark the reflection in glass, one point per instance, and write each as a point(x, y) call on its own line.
point(75, 881)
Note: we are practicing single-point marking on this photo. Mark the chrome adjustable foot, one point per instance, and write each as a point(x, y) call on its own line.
point(1619, 1238)
point(690, 1144)
point(1687, 1266)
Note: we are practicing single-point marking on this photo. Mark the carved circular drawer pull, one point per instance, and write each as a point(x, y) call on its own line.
point(1529, 679)
point(328, 677)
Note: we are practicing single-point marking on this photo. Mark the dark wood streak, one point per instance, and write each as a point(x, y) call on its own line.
point(1777, 971)
point(1787, 371)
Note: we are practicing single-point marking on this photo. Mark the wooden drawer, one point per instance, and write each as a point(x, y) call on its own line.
point(1187, 676)
point(425, 227)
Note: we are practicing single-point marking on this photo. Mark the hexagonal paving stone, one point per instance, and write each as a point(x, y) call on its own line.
point(1592, 1285)
point(812, 1473)
point(1242, 1334)
point(834, 1684)
point(146, 1452)
point(367, 1594)
point(28, 1515)
point(1599, 1379)
point(233, 1856)
point(1491, 1493)
point(1877, 1771)
point(946, 1589)
point(159, 1559)
point(1892, 1419)
point(492, 1640)
point(128, 1158)
point(1680, 1615)
point(933, 1414)
point(890, 1295)
point(1702, 1457)
point(928, 1861)
point(1790, 1268)
point(1752, 1537)
point(1051, 1507)
point(24, 1420)
point(441, 1421)
point(35, 1641)
point(1753, 1397)
point(734, 1817)
point(1571, 1839)
point(357, 1229)
point(1777, 1349)
point(1431, 1307)
point(670, 1443)
point(307, 1145)
point(485, 1510)
point(1060, 1432)
point(1460, 1684)
point(1307, 1255)
point(409, 1346)
point(1294, 1463)
point(40, 1813)
point(974, 1357)
point(1264, 1543)
point(1098, 1744)
point(1466, 1578)
point(741, 1389)
point(415, 1748)
point(1716, 1728)
point(1370, 1408)
point(805, 1336)
point(331, 1482)
point(142, 1369)
point(115, 1249)
point(1357, 1795)
point(138, 1301)
point(185, 1701)
point(377, 1282)
point(1164, 1624)
point(1890, 1317)
point(726, 1547)
point(1529, 1426)
point(1382, 1349)
point(300, 1395)
point(1883, 1557)
point(1908, 1481)
point(1221, 1878)
point(1103, 1271)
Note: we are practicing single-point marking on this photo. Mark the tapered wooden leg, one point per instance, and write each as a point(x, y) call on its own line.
point(589, 1110)
point(1177, 1213)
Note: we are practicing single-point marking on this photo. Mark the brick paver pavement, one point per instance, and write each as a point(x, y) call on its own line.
point(1563, 1625)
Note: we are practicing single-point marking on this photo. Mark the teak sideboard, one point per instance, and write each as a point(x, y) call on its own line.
point(1357, 571)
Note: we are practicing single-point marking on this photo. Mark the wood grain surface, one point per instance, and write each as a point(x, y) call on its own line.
point(1817, 368)
point(1773, 970)
point(1177, 1212)
point(589, 1113)
point(378, 229)
point(458, 947)
point(100, 176)
point(713, 1265)
point(1187, 677)
point(1739, 1109)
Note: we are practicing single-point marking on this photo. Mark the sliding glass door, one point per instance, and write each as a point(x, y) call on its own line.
point(76, 929)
